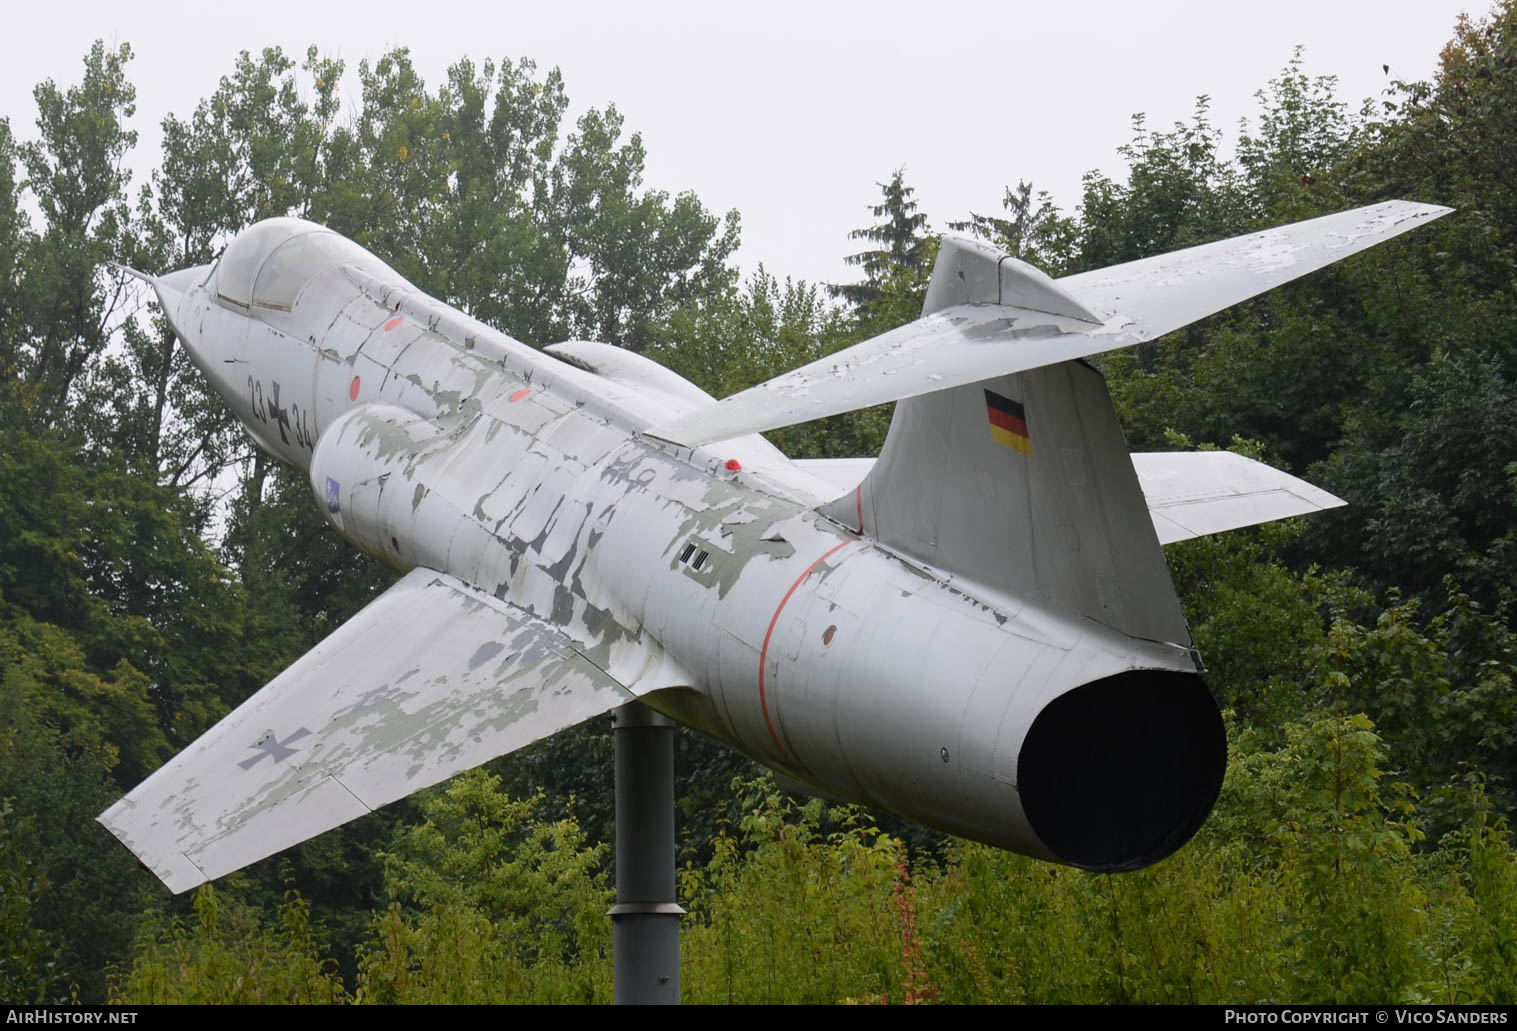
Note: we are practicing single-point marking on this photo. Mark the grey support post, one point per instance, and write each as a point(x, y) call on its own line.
point(645, 919)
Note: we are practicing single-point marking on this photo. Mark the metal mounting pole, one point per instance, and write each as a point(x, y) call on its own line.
point(645, 919)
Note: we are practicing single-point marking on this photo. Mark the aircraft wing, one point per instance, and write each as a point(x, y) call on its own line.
point(966, 343)
point(432, 678)
point(1189, 493)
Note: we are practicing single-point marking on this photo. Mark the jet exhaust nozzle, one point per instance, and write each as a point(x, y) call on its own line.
point(1118, 773)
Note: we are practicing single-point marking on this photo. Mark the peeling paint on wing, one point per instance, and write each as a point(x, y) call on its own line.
point(485, 652)
point(563, 606)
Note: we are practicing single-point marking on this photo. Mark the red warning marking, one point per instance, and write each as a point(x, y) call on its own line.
point(397, 320)
point(734, 464)
point(764, 651)
point(858, 500)
point(518, 395)
point(353, 389)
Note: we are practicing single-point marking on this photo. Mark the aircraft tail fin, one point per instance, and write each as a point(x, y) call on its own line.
point(1020, 483)
point(1022, 486)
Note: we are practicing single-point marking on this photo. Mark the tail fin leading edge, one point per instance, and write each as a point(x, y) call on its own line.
point(1022, 485)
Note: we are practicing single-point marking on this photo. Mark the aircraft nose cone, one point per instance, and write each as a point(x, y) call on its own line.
point(171, 290)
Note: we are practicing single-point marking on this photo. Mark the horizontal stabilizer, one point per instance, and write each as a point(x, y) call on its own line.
point(1142, 300)
point(1194, 493)
point(1189, 493)
point(432, 678)
point(982, 337)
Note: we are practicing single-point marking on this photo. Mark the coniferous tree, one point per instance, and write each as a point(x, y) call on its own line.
point(900, 236)
point(1033, 229)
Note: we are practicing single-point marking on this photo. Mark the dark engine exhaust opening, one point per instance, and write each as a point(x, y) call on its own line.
point(1120, 772)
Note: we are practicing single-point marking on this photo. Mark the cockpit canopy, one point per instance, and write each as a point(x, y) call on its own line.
point(266, 266)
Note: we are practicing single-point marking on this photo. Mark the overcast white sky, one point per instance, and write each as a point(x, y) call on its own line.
point(788, 111)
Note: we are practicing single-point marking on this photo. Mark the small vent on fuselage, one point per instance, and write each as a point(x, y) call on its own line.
point(696, 557)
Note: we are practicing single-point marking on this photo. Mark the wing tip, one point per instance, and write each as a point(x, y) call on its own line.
point(1325, 501)
point(1422, 209)
point(178, 877)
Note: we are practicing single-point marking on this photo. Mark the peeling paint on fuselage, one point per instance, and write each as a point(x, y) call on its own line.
point(457, 448)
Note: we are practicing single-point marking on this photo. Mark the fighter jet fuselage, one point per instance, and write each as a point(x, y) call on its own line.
point(980, 636)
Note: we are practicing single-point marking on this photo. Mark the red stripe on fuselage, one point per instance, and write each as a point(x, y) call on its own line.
point(764, 651)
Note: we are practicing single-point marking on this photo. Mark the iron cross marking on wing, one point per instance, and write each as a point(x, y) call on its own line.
point(273, 748)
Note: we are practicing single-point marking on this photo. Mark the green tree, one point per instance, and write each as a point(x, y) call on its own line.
point(1032, 230)
point(799, 906)
point(492, 904)
point(470, 192)
point(25, 966)
point(15, 239)
point(452, 187)
point(1433, 487)
point(900, 238)
point(1179, 192)
point(229, 955)
point(1304, 132)
point(55, 756)
point(76, 173)
point(251, 150)
point(640, 254)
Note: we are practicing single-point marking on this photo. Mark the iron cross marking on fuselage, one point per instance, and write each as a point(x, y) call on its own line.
point(281, 415)
point(273, 748)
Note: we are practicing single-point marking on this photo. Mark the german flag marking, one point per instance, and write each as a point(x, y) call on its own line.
point(1008, 422)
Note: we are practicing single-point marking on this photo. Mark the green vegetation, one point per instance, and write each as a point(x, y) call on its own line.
point(155, 570)
point(1307, 884)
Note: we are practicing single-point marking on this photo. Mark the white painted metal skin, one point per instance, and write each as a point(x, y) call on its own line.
point(1189, 493)
point(979, 637)
point(988, 314)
